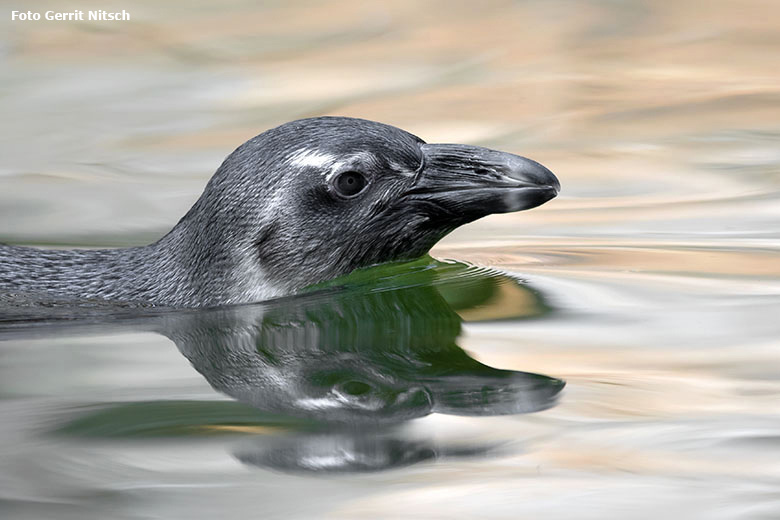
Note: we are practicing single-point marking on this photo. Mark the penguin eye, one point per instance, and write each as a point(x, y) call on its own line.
point(349, 184)
point(355, 388)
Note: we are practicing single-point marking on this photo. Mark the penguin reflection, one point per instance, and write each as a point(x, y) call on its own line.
point(356, 359)
point(356, 356)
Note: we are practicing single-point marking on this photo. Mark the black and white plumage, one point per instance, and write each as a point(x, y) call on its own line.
point(302, 203)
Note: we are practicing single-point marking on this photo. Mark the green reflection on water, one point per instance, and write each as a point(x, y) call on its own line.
point(175, 418)
point(377, 347)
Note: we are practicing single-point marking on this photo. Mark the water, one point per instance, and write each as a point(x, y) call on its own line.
point(650, 286)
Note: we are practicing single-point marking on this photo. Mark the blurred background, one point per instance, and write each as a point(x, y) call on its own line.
point(661, 120)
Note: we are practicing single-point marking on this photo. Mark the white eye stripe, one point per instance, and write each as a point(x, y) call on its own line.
point(329, 175)
point(312, 158)
point(354, 160)
point(350, 162)
point(331, 164)
point(402, 169)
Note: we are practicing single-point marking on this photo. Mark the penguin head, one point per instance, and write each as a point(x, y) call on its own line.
point(316, 198)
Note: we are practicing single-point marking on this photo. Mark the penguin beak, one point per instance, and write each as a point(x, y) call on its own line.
point(470, 182)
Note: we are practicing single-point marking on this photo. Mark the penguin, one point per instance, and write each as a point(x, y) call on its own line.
point(302, 203)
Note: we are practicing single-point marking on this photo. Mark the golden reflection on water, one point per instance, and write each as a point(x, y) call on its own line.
point(623, 256)
point(661, 254)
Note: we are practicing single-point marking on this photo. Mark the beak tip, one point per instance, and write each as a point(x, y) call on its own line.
point(555, 182)
point(539, 174)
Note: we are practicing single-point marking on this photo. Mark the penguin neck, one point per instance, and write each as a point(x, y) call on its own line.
point(202, 262)
point(124, 275)
point(205, 260)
